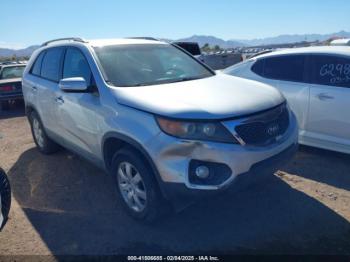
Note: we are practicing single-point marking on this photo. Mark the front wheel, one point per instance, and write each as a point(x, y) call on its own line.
point(137, 187)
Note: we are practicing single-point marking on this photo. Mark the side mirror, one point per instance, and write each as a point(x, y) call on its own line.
point(73, 84)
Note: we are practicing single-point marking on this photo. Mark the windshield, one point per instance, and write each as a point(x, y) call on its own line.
point(148, 64)
point(12, 72)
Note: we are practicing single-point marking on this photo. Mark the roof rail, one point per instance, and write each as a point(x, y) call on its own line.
point(144, 38)
point(77, 39)
point(261, 53)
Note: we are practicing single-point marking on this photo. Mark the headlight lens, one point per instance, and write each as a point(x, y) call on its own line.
point(209, 131)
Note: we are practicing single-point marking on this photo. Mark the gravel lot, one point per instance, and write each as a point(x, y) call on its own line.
point(64, 205)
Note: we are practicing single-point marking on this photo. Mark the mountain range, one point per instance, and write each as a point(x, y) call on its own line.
point(286, 39)
point(212, 41)
point(6, 52)
point(281, 39)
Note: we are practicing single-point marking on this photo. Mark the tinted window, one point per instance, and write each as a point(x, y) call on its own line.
point(50, 68)
point(37, 65)
point(258, 67)
point(75, 65)
point(12, 72)
point(330, 70)
point(288, 68)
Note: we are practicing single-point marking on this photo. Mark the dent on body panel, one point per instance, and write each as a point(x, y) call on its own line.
point(173, 155)
point(170, 156)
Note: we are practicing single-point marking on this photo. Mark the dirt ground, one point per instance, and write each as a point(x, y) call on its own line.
point(64, 205)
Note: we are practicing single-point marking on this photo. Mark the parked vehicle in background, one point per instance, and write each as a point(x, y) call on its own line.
point(341, 42)
point(217, 61)
point(316, 83)
point(166, 126)
point(5, 198)
point(191, 47)
point(10, 84)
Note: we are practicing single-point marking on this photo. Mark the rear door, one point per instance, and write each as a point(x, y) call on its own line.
point(329, 118)
point(46, 86)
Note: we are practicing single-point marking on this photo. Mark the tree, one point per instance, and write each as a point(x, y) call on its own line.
point(206, 48)
point(217, 48)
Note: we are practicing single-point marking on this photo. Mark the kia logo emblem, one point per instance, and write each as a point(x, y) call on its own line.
point(273, 129)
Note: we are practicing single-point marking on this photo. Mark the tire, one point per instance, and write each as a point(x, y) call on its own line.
point(5, 192)
point(5, 105)
point(44, 144)
point(154, 204)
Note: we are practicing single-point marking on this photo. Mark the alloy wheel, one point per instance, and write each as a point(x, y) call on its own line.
point(38, 132)
point(132, 187)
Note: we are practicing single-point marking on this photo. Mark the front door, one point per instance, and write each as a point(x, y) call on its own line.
point(77, 113)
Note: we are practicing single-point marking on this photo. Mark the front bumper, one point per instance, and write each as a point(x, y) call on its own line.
point(181, 196)
point(172, 156)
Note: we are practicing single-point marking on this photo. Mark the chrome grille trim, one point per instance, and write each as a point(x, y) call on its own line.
point(264, 117)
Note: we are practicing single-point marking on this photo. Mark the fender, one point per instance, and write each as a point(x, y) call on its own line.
point(128, 140)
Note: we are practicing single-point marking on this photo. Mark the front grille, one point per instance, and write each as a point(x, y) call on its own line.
point(266, 127)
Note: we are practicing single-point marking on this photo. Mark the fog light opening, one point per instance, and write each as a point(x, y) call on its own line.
point(202, 172)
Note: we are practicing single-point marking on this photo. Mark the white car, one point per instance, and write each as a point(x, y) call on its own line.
point(316, 83)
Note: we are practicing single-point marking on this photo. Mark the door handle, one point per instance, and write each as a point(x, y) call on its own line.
point(324, 96)
point(34, 88)
point(59, 100)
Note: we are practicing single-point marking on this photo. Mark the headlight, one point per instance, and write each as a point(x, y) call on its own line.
point(209, 131)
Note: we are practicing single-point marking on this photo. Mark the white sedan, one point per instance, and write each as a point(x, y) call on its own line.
point(316, 83)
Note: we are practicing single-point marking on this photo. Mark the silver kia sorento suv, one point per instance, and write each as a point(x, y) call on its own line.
point(167, 127)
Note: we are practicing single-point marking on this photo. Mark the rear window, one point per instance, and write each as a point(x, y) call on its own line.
point(258, 67)
point(330, 70)
point(50, 68)
point(12, 72)
point(287, 68)
point(37, 65)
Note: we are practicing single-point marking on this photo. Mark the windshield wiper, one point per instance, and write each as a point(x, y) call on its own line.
point(188, 78)
point(168, 81)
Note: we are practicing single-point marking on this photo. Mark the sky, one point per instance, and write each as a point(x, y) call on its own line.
point(25, 23)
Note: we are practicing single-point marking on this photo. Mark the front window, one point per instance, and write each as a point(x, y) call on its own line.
point(12, 72)
point(75, 65)
point(148, 64)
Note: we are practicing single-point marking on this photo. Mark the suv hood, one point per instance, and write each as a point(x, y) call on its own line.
point(217, 97)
